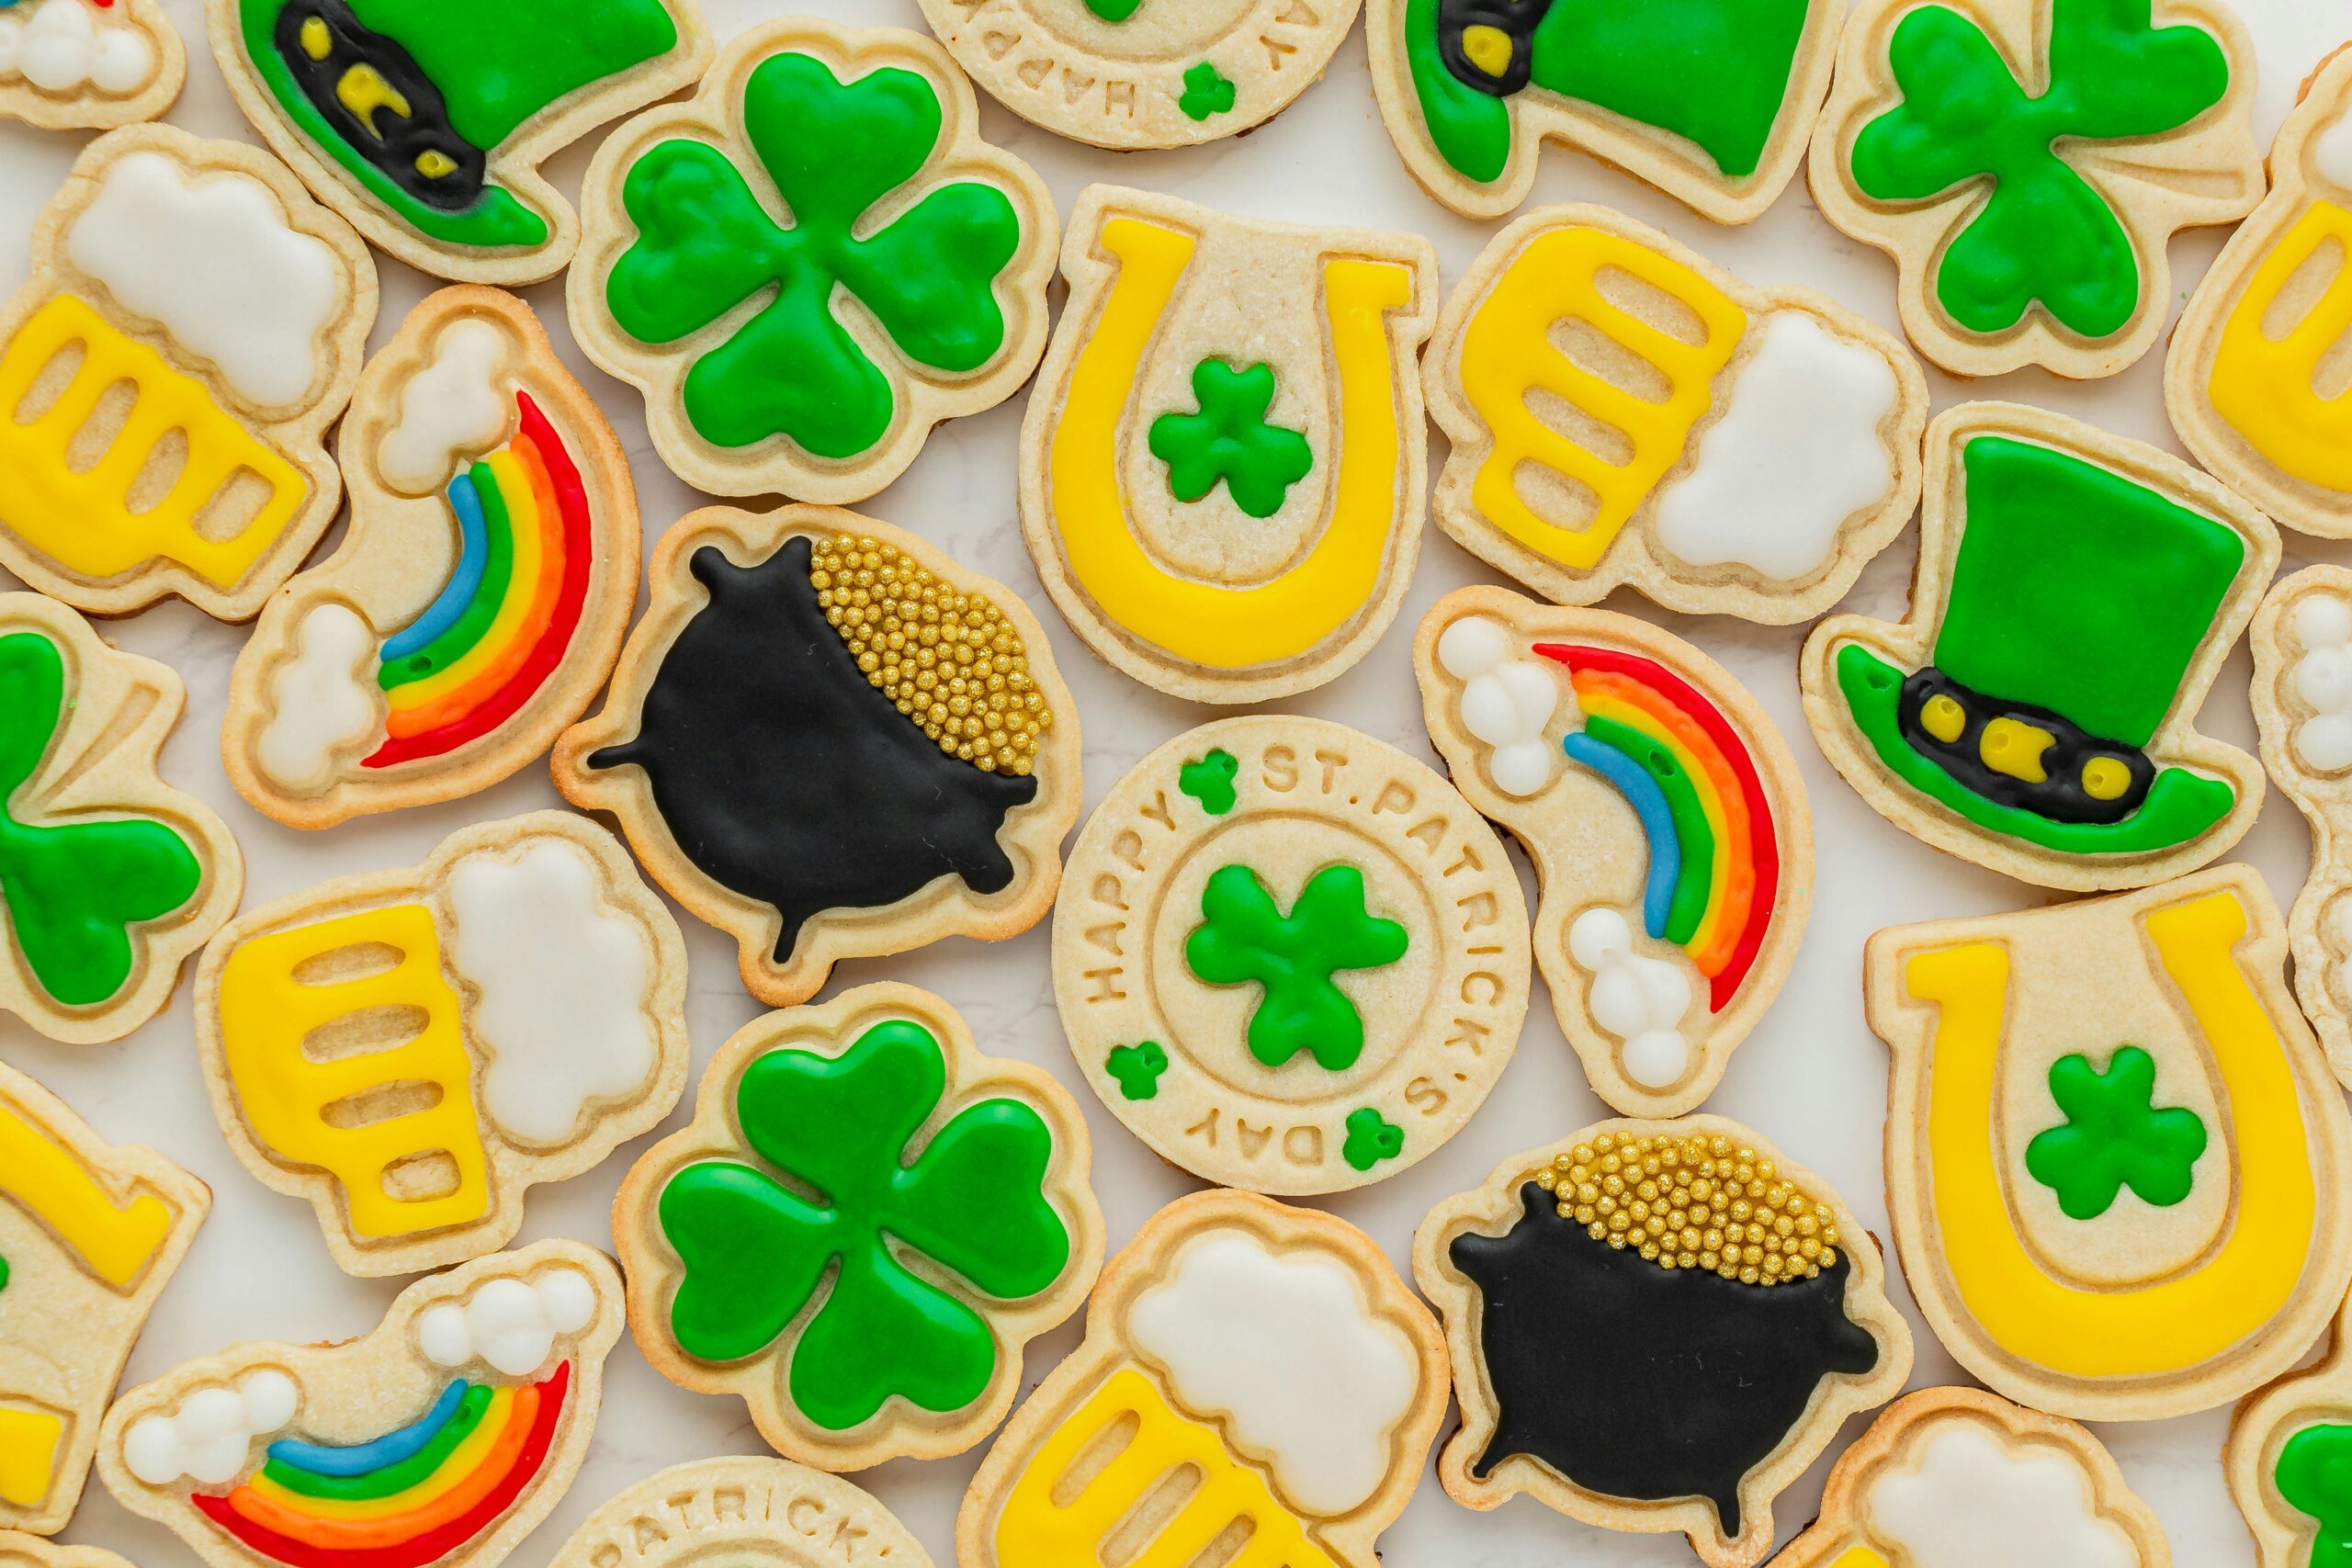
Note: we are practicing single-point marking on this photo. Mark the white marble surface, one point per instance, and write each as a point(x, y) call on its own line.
point(1812, 1077)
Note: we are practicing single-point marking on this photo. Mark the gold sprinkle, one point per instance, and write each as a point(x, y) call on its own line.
point(1693, 1202)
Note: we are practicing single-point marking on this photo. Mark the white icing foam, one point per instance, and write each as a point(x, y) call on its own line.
point(511, 1324)
point(322, 701)
point(60, 47)
point(208, 1437)
point(452, 408)
point(1970, 1502)
point(1638, 998)
point(2323, 677)
point(1506, 703)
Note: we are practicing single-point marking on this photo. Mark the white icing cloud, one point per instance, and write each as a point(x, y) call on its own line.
point(451, 408)
point(208, 1437)
point(1638, 998)
point(2331, 154)
point(322, 701)
point(60, 47)
point(511, 1324)
point(1506, 703)
point(1284, 1349)
point(2323, 677)
point(1972, 1502)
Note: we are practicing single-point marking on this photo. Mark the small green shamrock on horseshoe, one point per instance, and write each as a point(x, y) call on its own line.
point(1244, 938)
point(2314, 1476)
point(1207, 92)
point(2114, 1137)
point(1229, 439)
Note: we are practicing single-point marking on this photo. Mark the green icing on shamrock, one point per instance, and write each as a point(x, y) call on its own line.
point(1137, 1068)
point(1229, 439)
point(1114, 10)
point(2314, 1474)
point(1245, 938)
point(1207, 91)
point(2042, 233)
point(705, 245)
point(1372, 1138)
point(756, 1251)
point(2114, 1137)
point(75, 888)
point(1209, 780)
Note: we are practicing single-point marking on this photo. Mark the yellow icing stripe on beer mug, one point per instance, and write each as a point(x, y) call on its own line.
point(2268, 388)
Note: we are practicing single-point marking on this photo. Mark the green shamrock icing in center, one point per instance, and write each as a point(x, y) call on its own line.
point(2114, 1137)
point(1372, 1138)
point(1209, 780)
point(1244, 938)
point(1207, 91)
point(757, 1251)
point(1229, 439)
point(1137, 1068)
point(707, 244)
point(2314, 1474)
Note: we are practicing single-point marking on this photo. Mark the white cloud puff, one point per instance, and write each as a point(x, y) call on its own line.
point(2323, 678)
point(211, 1436)
point(511, 1324)
point(1506, 703)
point(1638, 998)
point(452, 408)
point(1970, 1502)
point(322, 701)
point(60, 47)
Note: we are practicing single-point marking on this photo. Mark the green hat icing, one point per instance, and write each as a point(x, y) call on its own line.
point(499, 64)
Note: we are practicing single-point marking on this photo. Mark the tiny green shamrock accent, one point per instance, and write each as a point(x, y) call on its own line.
point(2314, 1474)
point(1372, 1138)
point(2114, 1137)
point(1229, 439)
point(1137, 1068)
point(1114, 10)
point(1209, 780)
point(1207, 91)
point(1245, 938)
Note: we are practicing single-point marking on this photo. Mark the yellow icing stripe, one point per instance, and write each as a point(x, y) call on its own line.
point(2161, 1328)
point(115, 1240)
point(2267, 389)
point(28, 1442)
point(1863, 1557)
point(1226, 628)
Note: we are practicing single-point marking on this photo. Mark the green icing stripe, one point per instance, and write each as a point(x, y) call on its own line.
point(1698, 840)
point(393, 1478)
point(1470, 128)
point(498, 526)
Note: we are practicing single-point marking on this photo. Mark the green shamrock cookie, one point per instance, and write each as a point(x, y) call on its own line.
point(1229, 439)
point(2314, 1476)
point(1244, 938)
point(2114, 1137)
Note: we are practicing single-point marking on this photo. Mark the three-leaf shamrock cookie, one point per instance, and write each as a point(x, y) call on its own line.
point(812, 263)
point(88, 64)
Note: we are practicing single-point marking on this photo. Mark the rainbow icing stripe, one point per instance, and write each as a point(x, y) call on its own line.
point(1714, 871)
point(502, 622)
point(406, 1499)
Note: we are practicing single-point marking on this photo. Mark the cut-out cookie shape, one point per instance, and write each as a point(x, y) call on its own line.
point(87, 64)
point(108, 875)
point(791, 776)
point(1132, 74)
point(2033, 712)
point(1666, 819)
point(441, 1438)
point(20, 1550)
point(1221, 469)
point(1624, 411)
point(89, 1236)
point(835, 179)
point(743, 1510)
point(2117, 1164)
point(1289, 957)
point(481, 593)
point(234, 309)
point(409, 1050)
point(2026, 162)
point(1950, 1477)
point(863, 1226)
point(1645, 1380)
point(1272, 1352)
point(2287, 1462)
point(424, 122)
point(1711, 101)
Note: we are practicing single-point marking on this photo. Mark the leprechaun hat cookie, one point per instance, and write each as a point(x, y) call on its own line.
point(88, 64)
point(744, 1510)
point(2289, 1459)
point(2117, 1164)
point(2076, 594)
point(423, 122)
point(1641, 1378)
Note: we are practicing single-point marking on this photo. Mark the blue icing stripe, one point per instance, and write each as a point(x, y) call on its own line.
point(366, 1458)
point(473, 559)
point(1648, 801)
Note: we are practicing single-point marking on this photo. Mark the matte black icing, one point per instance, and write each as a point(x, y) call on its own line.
point(2061, 797)
point(390, 141)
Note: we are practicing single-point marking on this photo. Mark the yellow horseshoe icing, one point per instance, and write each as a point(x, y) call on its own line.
point(2161, 1328)
point(115, 1240)
point(1227, 628)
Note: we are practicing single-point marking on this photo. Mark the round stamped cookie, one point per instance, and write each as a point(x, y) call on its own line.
point(1289, 957)
point(759, 1513)
point(1133, 74)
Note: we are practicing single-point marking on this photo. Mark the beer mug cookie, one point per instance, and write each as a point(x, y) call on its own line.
point(2286, 1462)
point(235, 310)
point(831, 741)
point(1667, 821)
point(409, 1050)
point(1288, 957)
point(89, 1236)
point(2034, 710)
point(763, 1513)
point(863, 1225)
point(441, 1438)
point(480, 592)
point(812, 261)
point(1623, 411)
point(88, 64)
point(424, 122)
point(1221, 469)
point(2027, 163)
point(1271, 1352)
point(1644, 1378)
point(2117, 1163)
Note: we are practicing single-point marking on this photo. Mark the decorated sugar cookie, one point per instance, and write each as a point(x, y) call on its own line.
point(2076, 594)
point(443, 1437)
point(1950, 1477)
point(831, 741)
point(2026, 162)
point(88, 64)
point(2117, 1164)
point(1272, 1352)
point(1724, 448)
point(812, 261)
point(1288, 957)
point(20, 1550)
point(108, 875)
point(1711, 101)
point(89, 1236)
point(235, 310)
point(1642, 1379)
point(753, 1511)
point(863, 1225)
point(481, 593)
point(1221, 471)
point(510, 1013)
point(1666, 819)
point(424, 122)
point(2286, 1459)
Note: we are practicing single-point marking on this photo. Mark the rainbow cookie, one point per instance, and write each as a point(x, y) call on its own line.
point(2117, 1164)
point(2285, 1460)
point(867, 1300)
point(481, 591)
point(746, 1510)
point(440, 1438)
point(509, 1013)
point(87, 64)
point(1667, 821)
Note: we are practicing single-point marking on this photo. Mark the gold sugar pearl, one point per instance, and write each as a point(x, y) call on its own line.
point(1693, 1202)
